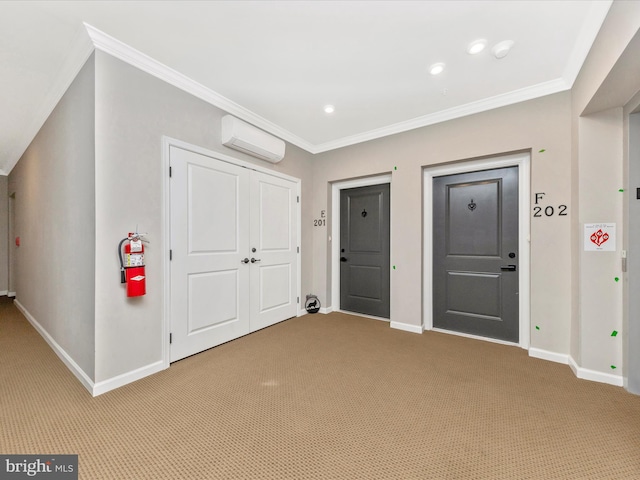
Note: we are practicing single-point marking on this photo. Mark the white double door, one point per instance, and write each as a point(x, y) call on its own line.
point(234, 251)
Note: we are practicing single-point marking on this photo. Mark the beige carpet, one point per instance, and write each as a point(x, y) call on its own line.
point(323, 397)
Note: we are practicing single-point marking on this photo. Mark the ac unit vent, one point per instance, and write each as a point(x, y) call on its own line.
point(248, 139)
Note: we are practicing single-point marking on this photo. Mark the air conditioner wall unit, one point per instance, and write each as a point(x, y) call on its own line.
point(248, 139)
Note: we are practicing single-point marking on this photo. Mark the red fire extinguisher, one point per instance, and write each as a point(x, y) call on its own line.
point(132, 265)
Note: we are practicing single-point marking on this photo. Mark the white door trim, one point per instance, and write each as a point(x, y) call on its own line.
point(335, 233)
point(167, 143)
point(523, 161)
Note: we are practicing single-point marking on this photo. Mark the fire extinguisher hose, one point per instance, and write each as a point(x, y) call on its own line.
point(123, 278)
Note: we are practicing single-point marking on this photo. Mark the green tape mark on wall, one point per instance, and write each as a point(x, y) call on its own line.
point(394, 267)
point(614, 333)
point(537, 327)
point(542, 150)
point(621, 190)
point(395, 168)
point(616, 279)
point(613, 367)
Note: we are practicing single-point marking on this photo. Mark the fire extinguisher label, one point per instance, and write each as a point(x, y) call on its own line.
point(134, 260)
point(138, 278)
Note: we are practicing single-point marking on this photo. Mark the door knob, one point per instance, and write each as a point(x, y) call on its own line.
point(254, 260)
point(246, 260)
point(343, 259)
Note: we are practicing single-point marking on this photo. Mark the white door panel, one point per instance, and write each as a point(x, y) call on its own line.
point(275, 286)
point(207, 299)
point(273, 236)
point(209, 238)
point(275, 222)
point(213, 210)
point(220, 213)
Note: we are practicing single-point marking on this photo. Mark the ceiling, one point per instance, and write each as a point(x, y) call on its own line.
point(278, 63)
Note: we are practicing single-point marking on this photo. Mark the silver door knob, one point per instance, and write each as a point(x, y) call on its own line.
point(246, 260)
point(254, 260)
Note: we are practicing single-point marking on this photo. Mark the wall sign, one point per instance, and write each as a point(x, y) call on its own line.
point(540, 211)
point(600, 237)
point(322, 221)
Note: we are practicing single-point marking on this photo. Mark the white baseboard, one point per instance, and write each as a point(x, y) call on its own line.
point(573, 365)
point(326, 310)
point(64, 356)
point(3, 293)
point(128, 377)
point(302, 312)
point(550, 356)
point(594, 375)
point(407, 327)
point(580, 372)
point(11, 294)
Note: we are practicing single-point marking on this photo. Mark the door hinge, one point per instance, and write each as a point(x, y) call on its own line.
point(170, 172)
point(298, 249)
point(170, 337)
point(298, 197)
point(170, 255)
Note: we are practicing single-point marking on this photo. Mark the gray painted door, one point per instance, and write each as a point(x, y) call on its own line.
point(475, 253)
point(364, 250)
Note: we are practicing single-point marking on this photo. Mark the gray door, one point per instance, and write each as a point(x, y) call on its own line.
point(475, 253)
point(364, 250)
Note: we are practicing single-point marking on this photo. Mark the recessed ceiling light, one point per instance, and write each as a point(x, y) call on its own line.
point(329, 109)
point(476, 46)
point(436, 68)
point(500, 50)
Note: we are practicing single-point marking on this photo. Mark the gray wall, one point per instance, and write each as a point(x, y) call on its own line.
point(133, 111)
point(541, 124)
point(54, 205)
point(4, 234)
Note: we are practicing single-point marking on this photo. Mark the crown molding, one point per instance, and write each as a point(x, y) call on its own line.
point(510, 98)
point(133, 57)
point(80, 50)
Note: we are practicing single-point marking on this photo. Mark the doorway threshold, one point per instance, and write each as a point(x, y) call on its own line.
point(475, 337)
point(358, 314)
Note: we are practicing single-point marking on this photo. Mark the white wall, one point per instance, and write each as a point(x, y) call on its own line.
point(601, 201)
point(53, 184)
